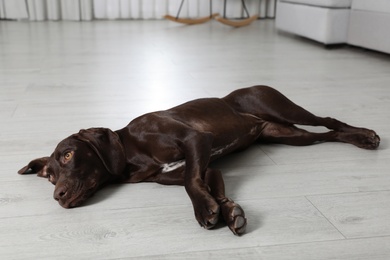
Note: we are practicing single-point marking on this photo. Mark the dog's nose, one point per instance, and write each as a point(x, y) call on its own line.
point(60, 192)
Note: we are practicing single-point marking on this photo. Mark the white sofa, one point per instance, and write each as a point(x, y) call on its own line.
point(369, 24)
point(363, 23)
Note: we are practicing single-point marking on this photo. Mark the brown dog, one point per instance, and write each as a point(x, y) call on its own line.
point(176, 146)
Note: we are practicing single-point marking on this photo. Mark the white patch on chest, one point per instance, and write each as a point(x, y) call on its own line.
point(168, 167)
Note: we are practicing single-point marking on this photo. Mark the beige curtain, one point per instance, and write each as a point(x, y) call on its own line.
point(85, 10)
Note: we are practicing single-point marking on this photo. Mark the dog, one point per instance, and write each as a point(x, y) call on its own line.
point(176, 146)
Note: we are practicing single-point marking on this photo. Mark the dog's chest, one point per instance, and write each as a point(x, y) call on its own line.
point(169, 167)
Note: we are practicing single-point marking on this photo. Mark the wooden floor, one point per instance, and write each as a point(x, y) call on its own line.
point(327, 201)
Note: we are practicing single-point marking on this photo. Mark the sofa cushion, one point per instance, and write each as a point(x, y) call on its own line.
point(326, 25)
point(382, 6)
point(324, 3)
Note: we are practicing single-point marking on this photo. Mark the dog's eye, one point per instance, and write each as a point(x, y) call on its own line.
point(68, 156)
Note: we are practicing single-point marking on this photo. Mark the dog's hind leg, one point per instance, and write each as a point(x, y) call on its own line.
point(272, 106)
point(292, 135)
point(232, 213)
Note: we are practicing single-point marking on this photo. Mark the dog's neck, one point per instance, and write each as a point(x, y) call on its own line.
point(130, 167)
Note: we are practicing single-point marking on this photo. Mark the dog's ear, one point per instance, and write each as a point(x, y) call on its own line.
point(107, 146)
point(37, 166)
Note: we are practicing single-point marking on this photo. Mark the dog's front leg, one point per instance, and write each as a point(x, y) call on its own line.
point(231, 212)
point(197, 148)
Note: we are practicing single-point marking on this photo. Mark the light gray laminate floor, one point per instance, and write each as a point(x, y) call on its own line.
point(327, 201)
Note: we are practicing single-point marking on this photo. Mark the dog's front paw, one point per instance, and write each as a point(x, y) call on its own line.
point(207, 214)
point(234, 216)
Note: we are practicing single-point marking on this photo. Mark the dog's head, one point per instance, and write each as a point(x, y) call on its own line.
point(81, 164)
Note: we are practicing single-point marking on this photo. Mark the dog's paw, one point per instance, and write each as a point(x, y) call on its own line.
point(207, 214)
point(371, 141)
point(234, 216)
point(364, 138)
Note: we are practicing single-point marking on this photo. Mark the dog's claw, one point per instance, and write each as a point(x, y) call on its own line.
point(238, 223)
point(209, 218)
point(211, 221)
point(239, 226)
